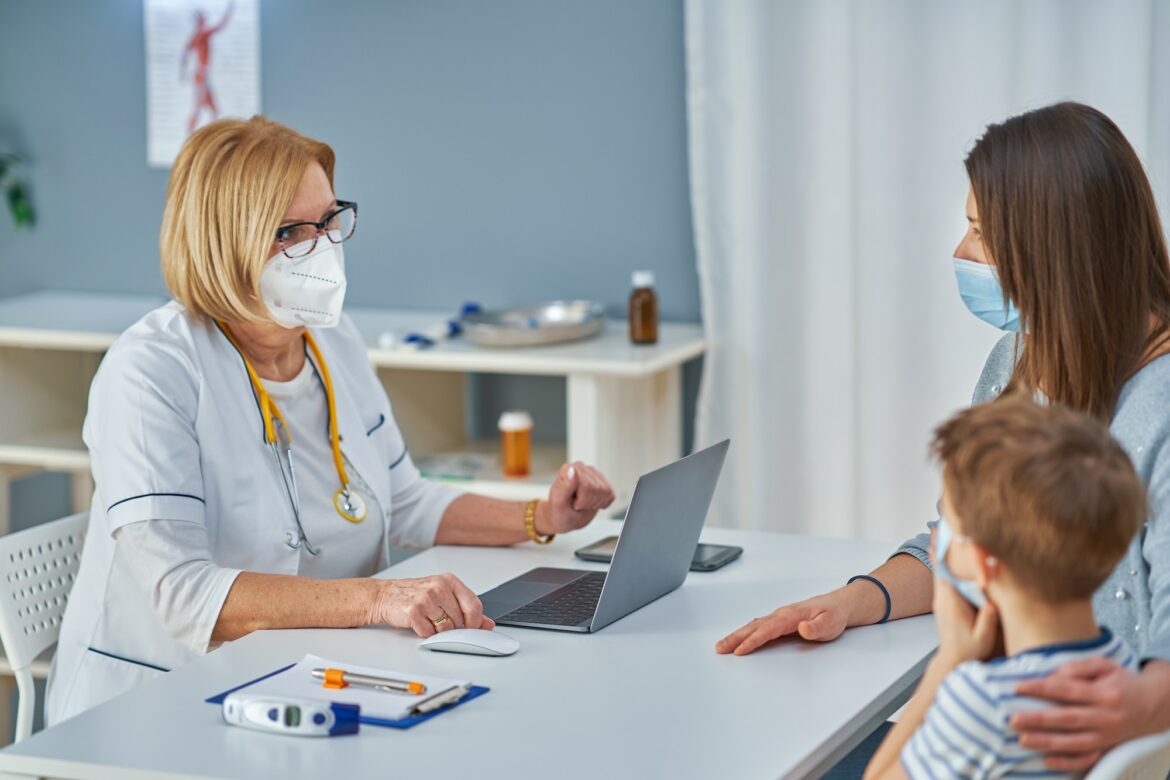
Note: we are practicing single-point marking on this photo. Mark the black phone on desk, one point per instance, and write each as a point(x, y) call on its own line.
point(708, 557)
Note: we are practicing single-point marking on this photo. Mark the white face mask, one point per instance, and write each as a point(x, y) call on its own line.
point(308, 291)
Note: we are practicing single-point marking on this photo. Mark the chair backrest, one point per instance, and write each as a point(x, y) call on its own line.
point(38, 566)
point(1144, 758)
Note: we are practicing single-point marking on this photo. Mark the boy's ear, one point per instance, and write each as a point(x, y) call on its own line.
point(987, 567)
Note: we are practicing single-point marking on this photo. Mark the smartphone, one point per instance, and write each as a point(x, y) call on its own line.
point(708, 557)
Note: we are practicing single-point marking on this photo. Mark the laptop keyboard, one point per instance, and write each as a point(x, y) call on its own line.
point(569, 605)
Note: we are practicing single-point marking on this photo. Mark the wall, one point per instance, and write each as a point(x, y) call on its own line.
point(506, 152)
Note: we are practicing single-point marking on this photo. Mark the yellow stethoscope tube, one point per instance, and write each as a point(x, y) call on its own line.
point(347, 503)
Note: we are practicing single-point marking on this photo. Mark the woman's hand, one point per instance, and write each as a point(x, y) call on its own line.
point(963, 633)
point(1104, 704)
point(820, 619)
point(421, 604)
point(580, 491)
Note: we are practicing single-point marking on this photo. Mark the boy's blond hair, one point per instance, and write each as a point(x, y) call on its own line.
point(1043, 488)
point(229, 189)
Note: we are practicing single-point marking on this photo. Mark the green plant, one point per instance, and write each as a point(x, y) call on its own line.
point(16, 193)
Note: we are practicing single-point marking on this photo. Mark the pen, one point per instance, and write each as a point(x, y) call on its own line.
point(339, 678)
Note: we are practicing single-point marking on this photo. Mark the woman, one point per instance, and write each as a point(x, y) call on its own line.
point(1066, 247)
point(249, 473)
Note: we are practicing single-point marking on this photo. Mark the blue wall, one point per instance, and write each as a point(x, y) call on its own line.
point(508, 152)
point(505, 151)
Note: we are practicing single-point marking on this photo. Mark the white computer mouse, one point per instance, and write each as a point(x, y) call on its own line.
point(475, 641)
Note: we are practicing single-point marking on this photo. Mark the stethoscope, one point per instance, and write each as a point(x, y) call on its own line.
point(348, 503)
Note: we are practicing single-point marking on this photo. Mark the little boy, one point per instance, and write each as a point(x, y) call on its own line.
point(1039, 505)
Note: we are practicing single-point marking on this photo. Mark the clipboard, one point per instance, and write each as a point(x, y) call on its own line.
point(474, 692)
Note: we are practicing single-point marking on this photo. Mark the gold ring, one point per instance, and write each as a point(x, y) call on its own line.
point(440, 620)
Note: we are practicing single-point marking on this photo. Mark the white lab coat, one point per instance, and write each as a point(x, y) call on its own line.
point(175, 434)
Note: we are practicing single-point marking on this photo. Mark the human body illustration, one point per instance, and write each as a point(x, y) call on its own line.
point(200, 45)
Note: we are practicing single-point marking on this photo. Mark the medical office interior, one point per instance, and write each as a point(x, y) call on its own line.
point(593, 241)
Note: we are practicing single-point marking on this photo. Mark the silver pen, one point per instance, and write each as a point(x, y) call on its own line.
point(339, 678)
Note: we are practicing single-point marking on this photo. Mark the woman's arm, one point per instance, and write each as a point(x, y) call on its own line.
point(199, 602)
point(261, 601)
point(265, 601)
point(823, 618)
point(576, 496)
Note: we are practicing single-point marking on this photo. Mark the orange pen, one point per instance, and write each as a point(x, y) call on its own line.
point(339, 678)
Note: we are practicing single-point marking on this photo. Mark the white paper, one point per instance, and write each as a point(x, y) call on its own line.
point(299, 682)
point(202, 64)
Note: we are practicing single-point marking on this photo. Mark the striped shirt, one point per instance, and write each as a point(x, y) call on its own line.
point(965, 733)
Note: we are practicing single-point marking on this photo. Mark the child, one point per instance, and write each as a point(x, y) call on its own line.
point(1039, 505)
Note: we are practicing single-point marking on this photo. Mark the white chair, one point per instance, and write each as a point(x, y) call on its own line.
point(1145, 758)
point(38, 567)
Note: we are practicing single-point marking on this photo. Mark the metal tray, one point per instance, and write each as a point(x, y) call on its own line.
point(530, 326)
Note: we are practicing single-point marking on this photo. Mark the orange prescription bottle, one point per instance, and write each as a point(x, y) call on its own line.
point(516, 443)
point(644, 309)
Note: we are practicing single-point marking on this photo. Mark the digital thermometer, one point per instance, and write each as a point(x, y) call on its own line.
point(296, 717)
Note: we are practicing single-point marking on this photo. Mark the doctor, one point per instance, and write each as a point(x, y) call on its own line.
point(249, 473)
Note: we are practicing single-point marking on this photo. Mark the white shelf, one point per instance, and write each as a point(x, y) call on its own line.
point(58, 450)
point(90, 322)
point(608, 354)
point(82, 322)
point(490, 481)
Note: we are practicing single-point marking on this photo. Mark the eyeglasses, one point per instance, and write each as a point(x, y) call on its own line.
point(300, 238)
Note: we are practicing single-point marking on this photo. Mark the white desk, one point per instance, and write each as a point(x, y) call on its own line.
point(646, 697)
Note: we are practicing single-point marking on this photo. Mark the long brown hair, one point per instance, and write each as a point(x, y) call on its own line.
point(1069, 220)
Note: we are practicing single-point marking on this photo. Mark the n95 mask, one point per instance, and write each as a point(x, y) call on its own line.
point(308, 291)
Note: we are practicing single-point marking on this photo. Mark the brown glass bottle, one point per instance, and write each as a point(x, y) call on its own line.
point(644, 309)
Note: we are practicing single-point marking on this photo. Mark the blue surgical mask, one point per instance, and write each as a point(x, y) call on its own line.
point(968, 589)
point(980, 289)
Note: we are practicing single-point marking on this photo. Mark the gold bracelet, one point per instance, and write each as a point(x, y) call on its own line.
point(530, 524)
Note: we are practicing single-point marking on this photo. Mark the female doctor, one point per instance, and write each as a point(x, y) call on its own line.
point(248, 470)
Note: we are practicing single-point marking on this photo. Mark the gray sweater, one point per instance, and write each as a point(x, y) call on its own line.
point(1134, 602)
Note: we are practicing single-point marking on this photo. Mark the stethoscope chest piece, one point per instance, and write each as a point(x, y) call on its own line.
point(350, 504)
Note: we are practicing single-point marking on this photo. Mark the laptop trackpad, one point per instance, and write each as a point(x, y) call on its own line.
point(525, 589)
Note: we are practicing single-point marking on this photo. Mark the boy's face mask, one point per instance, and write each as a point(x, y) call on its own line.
point(968, 589)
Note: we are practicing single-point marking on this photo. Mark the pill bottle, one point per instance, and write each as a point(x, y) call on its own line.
point(516, 443)
point(644, 309)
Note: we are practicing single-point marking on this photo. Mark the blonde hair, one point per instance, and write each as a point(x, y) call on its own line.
point(229, 189)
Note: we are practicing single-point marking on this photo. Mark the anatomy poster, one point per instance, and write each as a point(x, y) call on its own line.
point(202, 64)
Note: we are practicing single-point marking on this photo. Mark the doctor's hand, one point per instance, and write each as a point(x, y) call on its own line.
point(579, 492)
point(428, 605)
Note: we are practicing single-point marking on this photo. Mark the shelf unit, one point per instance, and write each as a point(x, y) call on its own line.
point(623, 402)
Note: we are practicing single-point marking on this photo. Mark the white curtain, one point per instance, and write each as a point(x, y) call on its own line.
point(826, 145)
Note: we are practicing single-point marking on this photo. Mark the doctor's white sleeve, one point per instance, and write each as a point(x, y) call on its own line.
point(146, 456)
point(171, 559)
point(417, 504)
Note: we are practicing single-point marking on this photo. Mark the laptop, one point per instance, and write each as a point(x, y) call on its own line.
point(651, 559)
